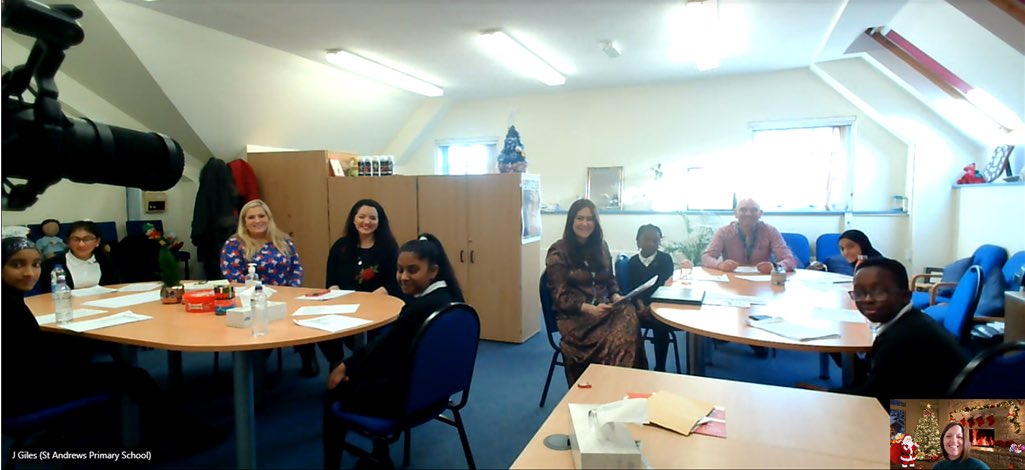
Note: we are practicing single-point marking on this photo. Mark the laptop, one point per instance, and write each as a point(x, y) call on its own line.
point(678, 295)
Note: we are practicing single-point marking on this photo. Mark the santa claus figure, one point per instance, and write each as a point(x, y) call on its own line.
point(908, 448)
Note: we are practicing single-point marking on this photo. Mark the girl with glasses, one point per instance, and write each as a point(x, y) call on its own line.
point(86, 263)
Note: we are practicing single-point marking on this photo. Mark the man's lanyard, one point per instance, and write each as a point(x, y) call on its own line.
point(748, 247)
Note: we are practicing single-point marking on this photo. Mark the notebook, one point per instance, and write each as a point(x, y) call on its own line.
point(678, 295)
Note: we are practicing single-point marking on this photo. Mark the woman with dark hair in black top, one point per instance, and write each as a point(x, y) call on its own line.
point(363, 259)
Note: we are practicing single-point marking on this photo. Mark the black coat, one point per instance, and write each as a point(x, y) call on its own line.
point(379, 372)
point(214, 217)
point(912, 358)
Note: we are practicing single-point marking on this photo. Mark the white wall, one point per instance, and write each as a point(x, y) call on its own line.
point(990, 214)
point(677, 123)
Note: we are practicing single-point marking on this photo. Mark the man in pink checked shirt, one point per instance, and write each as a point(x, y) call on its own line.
point(747, 242)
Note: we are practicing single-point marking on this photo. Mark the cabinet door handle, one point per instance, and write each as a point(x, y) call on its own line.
point(461, 256)
point(471, 255)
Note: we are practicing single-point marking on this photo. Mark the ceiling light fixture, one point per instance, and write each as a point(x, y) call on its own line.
point(381, 73)
point(610, 49)
point(519, 58)
point(696, 32)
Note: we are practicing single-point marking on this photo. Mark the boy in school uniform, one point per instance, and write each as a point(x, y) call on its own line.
point(641, 267)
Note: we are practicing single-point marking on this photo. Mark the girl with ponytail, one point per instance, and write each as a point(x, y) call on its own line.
point(373, 380)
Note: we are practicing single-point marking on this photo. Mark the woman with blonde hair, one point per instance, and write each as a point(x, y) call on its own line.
point(259, 241)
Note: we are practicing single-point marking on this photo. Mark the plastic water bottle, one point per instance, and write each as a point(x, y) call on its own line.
point(252, 278)
point(259, 311)
point(778, 276)
point(58, 271)
point(62, 301)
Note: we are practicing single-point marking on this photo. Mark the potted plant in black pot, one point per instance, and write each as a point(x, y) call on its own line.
point(171, 275)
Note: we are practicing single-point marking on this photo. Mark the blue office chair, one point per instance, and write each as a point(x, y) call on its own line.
point(800, 247)
point(1014, 271)
point(449, 337)
point(553, 330)
point(991, 373)
point(989, 258)
point(827, 246)
point(24, 426)
point(956, 316)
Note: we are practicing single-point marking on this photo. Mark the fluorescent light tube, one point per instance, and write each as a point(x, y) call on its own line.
point(388, 76)
point(520, 59)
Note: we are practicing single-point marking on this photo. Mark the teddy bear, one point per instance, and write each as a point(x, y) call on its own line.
point(971, 176)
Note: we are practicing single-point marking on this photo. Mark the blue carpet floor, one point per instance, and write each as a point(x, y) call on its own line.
point(501, 416)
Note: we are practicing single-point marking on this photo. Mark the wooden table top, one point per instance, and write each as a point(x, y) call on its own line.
point(174, 329)
point(795, 301)
point(766, 426)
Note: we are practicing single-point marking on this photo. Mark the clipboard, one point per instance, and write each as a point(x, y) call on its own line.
point(638, 290)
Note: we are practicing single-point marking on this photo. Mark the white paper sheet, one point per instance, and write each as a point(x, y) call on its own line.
point(94, 290)
point(792, 330)
point(310, 310)
point(125, 300)
point(700, 275)
point(127, 316)
point(332, 323)
point(758, 278)
point(334, 294)
point(731, 300)
point(623, 411)
point(838, 314)
point(140, 287)
point(745, 270)
point(75, 314)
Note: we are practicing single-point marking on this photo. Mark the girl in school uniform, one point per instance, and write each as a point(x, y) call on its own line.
point(373, 380)
point(651, 261)
point(855, 247)
point(258, 240)
point(85, 263)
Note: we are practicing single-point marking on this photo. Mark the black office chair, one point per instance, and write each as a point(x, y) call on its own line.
point(992, 373)
point(449, 336)
point(553, 329)
point(24, 426)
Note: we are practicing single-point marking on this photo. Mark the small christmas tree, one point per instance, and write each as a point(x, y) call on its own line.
point(927, 435)
point(512, 159)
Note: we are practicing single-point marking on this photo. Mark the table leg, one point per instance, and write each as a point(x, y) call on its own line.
point(847, 369)
point(129, 411)
point(360, 340)
point(695, 364)
point(174, 370)
point(245, 417)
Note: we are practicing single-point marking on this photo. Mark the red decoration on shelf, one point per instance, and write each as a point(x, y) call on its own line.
point(971, 422)
point(963, 423)
point(979, 422)
point(990, 420)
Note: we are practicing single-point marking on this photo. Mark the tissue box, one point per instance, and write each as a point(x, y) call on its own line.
point(590, 450)
point(240, 316)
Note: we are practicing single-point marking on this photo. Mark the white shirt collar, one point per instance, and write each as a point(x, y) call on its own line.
point(882, 326)
point(72, 259)
point(431, 288)
point(648, 260)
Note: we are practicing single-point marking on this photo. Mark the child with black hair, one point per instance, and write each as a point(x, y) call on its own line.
point(373, 380)
point(650, 261)
point(50, 244)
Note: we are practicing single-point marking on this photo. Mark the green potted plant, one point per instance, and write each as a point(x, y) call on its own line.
point(695, 238)
point(171, 275)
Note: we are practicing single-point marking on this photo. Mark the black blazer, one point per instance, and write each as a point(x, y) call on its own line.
point(108, 270)
point(662, 266)
point(913, 358)
point(378, 372)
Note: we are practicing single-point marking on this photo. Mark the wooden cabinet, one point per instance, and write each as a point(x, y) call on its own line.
point(478, 218)
point(295, 186)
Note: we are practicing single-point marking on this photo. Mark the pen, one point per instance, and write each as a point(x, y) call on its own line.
point(320, 293)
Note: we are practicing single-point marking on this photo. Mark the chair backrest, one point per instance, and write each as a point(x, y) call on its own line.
point(827, 246)
point(990, 258)
point(799, 246)
point(545, 291)
point(444, 352)
point(623, 273)
point(1014, 265)
point(990, 374)
point(963, 303)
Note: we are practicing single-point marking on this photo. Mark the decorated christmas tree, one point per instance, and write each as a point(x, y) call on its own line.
point(927, 435)
point(512, 159)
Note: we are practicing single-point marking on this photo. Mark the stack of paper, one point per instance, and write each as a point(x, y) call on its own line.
point(325, 310)
point(127, 316)
point(792, 330)
point(333, 323)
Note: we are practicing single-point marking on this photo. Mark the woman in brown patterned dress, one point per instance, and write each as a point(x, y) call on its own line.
point(594, 329)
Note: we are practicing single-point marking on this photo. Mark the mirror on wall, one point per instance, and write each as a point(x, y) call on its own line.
point(605, 187)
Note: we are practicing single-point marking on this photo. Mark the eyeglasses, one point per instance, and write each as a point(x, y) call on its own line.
point(873, 293)
point(81, 240)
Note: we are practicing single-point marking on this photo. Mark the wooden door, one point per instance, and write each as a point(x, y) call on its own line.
point(494, 254)
point(396, 194)
point(441, 204)
point(294, 185)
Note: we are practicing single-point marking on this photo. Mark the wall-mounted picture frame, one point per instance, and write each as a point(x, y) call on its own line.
point(605, 187)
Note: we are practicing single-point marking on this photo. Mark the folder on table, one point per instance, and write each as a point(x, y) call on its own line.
point(678, 295)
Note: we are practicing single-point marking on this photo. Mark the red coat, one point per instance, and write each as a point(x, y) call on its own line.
point(245, 180)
